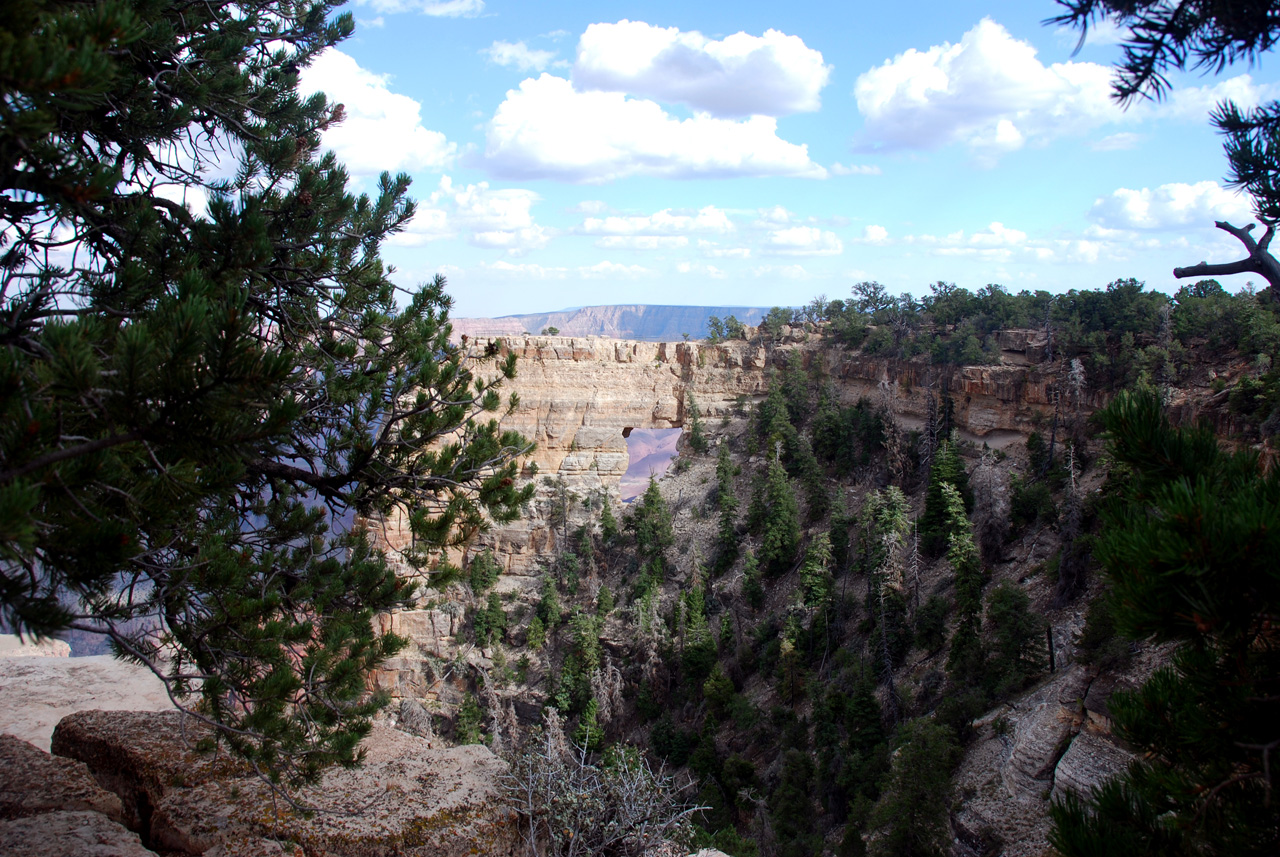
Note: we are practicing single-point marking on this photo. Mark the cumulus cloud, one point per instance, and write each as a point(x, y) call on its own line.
point(740, 75)
point(705, 270)
point(874, 234)
point(547, 129)
point(665, 222)
point(613, 271)
point(642, 242)
point(988, 92)
point(591, 206)
point(1170, 206)
point(434, 8)
point(802, 241)
point(525, 270)
point(713, 250)
point(495, 219)
point(519, 55)
point(855, 170)
point(382, 129)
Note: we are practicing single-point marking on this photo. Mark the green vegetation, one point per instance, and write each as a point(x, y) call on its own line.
point(190, 409)
point(1191, 550)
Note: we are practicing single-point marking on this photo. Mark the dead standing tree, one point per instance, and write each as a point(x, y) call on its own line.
point(1259, 261)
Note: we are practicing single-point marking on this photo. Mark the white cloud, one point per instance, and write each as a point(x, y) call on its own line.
point(875, 235)
point(988, 92)
point(613, 270)
point(518, 54)
point(740, 75)
point(855, 170)
point(665, 222)
point(1170, 206)
point(434, 8)
point(785, 272)
point(525, 270)
point(775, 216)
point(1117, 142)
point(1196, 102)
point(713, 250)
point(642, 242)
point(802, 241)
point(705, 270)
point(998, 234)
point(591, 206)
point(382, 129)
point(546, 129)
point(372, 23)
point(495, 219)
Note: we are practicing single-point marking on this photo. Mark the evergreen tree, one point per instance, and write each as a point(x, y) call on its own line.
point(752, 587)
point(966, 662)
point(781, 533)
point(197, 403)
point(1017, 651)
point(947, 469)
point(609, 529)
point(651, 523)
point(1190, 547)
point(697, 437)
point(727, 532)
point(815, 574)
point(912, 811)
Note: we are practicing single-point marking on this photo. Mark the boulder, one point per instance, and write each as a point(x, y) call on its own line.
point(1042, 736)
point(406, 798)
point(32, 783)
point(141, 755)
point(1091, 760)
point(69, 834)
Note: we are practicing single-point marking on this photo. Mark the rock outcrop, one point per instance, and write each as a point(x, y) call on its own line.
point(38, 691)
point(52, 807)
point(406, 799)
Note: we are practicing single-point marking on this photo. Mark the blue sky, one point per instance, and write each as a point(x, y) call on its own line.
point(569, 154)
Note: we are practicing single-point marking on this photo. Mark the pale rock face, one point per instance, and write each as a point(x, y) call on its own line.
point(33, 783)
point(69, 834)
point(407, 798)
point(1092, 759)
point(12, 646)
point(37, 692)
point(578, 395)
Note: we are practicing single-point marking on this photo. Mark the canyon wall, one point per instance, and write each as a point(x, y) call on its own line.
point(579, 396)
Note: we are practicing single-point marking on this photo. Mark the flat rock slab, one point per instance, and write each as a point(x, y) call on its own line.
point(406, 799)
point(13, 646)
point(69, 834)
point(37, 692)
point(32, 782)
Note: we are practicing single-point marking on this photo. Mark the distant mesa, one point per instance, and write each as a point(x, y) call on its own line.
point(655, 323)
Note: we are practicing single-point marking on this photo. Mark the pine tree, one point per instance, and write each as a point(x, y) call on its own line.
point(781, 533)
point(815, 574)
point(697, 437)
point(727, 531)
point(947, 469)
point(912, 811)
point(651, 523)
point(193, 411)
point(1190, 547)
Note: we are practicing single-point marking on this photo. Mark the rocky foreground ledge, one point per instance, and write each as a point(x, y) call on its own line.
point(129, 784)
